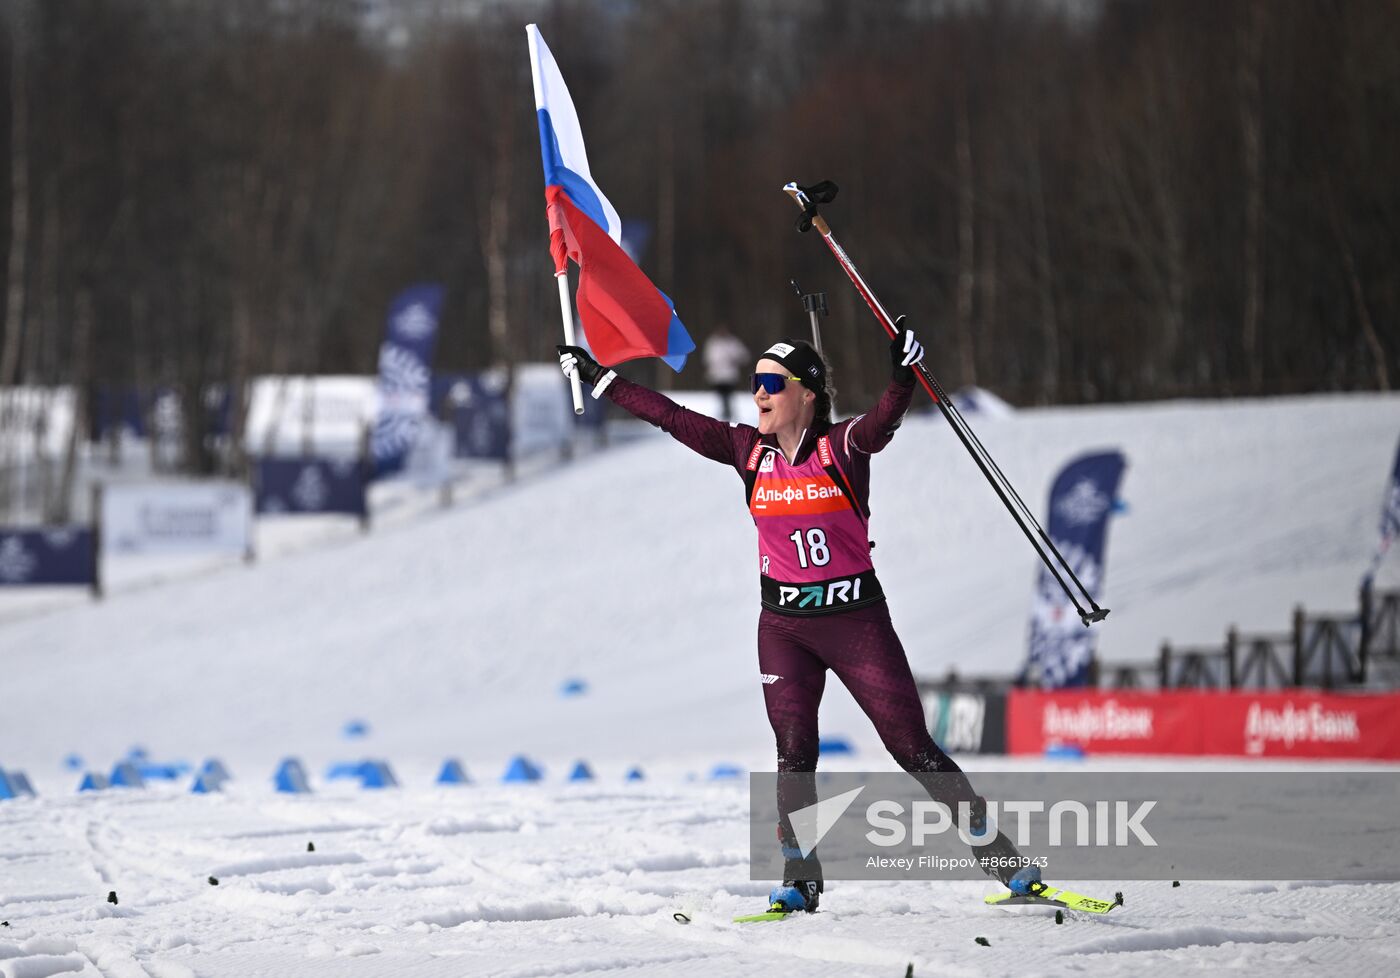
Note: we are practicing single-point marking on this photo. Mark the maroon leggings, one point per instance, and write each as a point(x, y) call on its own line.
point(861, 647)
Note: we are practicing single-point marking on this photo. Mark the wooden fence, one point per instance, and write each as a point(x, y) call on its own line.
point(1324, 651)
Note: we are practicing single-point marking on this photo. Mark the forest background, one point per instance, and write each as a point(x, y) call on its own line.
point(1073, 202)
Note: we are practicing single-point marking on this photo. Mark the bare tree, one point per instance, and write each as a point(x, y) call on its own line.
point(19, 191)
point(1251, 35)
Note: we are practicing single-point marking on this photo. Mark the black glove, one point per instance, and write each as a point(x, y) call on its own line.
point(576, 359)
point(905, 351)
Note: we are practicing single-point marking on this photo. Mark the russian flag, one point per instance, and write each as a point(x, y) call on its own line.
point(623, 314)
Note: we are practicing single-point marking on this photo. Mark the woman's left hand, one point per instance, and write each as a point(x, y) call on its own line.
point(905, 351)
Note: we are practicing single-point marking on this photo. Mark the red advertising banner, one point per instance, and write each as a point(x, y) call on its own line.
point(1214, 723)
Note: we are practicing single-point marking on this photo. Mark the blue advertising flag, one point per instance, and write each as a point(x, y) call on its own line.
point(405, 373)
point(1390, 519)
point(55, 555)
point(1081, 499)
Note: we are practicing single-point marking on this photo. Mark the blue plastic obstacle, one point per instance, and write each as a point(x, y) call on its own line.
point(726, 772)
point(126, 775)
point(92, 781)
point(213, 767)
point(581, 772)
point(377, 774)
point(20, 782)
point(343, 770)
point(150, 771)
point(635, 774)
point(521, 769)
point(453, 773)
point(211, 777)
point(8, 789)
point(291, 777)
point(831, 746)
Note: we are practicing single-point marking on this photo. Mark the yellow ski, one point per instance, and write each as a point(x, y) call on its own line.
point(1046, 895)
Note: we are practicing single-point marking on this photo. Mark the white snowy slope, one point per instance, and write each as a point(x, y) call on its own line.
point(634, 570)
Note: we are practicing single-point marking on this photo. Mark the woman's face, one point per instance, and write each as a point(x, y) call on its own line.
point(787, 407)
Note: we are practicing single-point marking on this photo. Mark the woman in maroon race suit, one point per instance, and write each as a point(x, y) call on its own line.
point(808, 485)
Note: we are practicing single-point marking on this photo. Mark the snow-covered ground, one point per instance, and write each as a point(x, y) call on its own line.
point(452, 631)
point(578, 880)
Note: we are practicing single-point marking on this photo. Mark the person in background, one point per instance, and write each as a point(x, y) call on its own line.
point(726, 360)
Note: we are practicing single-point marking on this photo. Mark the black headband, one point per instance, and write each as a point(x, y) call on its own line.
point(802, 361)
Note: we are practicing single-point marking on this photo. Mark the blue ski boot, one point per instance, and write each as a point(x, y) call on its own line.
point(1025, 881)
point(795, 895)
point(999, 856)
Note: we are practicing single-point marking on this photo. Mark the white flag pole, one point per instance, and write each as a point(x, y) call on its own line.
point(566, 306)
point(566, 310)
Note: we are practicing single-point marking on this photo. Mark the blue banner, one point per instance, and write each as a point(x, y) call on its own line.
point(118, 407)
point(405, 371)
point(478, 409)
point(1081, 499)
point(54, 555)
point(309, 485)
point(1390, 520)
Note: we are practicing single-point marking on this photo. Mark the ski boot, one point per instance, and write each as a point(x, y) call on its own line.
point(999, 857)
point(795, 895)
point(1025, 881)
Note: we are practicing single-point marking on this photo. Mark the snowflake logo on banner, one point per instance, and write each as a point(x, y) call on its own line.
point(1060, 644)
point(460, 394)
point(494, 381)
point(400, 370)
point(310, 491)
point(394, 434)
point(16, 564)
point(165, 414)
point(1068, 656)
point(415, 322)
point(1083, 504)
point(61, 538)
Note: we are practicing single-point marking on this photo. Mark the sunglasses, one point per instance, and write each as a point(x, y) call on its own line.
point(772, 383)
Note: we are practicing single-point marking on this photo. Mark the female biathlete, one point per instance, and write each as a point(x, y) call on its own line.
point(808, 482)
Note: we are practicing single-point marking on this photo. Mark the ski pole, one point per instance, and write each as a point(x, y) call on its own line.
point(807, 198)
point(814, 303)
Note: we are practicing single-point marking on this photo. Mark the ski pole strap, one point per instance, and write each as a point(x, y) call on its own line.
point(808, 198)
point(834, 472)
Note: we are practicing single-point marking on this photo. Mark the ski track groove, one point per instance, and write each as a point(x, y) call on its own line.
point(394, 891)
